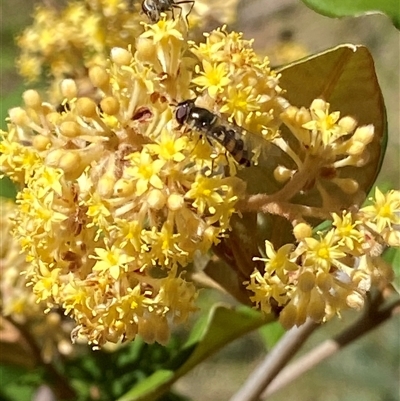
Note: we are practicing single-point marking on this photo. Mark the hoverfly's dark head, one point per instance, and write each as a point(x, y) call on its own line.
point(149, 7)
point(183, 110)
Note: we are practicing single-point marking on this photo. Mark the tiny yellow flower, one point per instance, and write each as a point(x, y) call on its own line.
point(213, 79)
point(204, 192)
point(145, 171)
point(278, 261)
point(385, 209)
point(169, 147)
point(112, 261)
point(163, 30)
point(240, 104)
point(346, 231)
point(324, 124)
point(322, 253)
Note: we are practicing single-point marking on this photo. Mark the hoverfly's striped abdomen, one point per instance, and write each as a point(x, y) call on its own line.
point(229, 139)
point(202, 120)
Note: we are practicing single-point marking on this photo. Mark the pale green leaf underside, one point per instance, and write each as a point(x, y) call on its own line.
point(343, 8)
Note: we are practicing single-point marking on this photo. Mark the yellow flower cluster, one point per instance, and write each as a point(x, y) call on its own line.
point(117, 198)
point(325, 150)
point(320, 277)
point(234, 81)
point(18, 304)
point(66, 42)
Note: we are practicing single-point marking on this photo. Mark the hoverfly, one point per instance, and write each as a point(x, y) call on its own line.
point(154, 8)
point(214, 128)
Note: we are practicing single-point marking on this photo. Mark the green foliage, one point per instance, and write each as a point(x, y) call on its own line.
point(8, 100)
point(222, 326)
point(7, 188)
point(271, 334)
point(115, 372)
point(344, 8)
point(392, 256)
point(137, 371)
point(17, 383)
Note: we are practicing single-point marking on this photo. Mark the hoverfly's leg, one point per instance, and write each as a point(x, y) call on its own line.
point(191, 2)
point(172, 11)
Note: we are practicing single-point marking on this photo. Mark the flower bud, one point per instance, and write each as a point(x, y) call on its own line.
point(303, 117)
point(392, 238)
point(324, 281)
point(319, 104)
point(306, 281)
point(156, 199)
point(175, 202)
point(69, 161)
point(99, 77)
point(121, 56)
point(302, 230)
point(355, 148)
point(288, 315)
point(355, 301)
point(124, 187)
point(86, 107)
point(32, 99)
point(68, 88)
point(18, 116)
point(348, 124)
point(364, 134)
point(54, 118)
point(316, 307)
point(109, 105)
point(283, 174)
point(70, 129)
point(53, 157)
point(41, 142)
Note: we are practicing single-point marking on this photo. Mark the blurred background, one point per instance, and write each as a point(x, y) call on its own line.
point(368, 370)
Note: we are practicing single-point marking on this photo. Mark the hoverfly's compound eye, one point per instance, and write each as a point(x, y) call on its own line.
point(182, 111)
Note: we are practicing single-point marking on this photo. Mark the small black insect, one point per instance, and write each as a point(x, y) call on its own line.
point(215, 128)
point(154, 8)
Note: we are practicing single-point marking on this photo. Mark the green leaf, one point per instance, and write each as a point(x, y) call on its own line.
point(7, 188)
point(392, 256)
point(8, 100)
point(271, 334)
point(16, 383)
point(343, 8)
point(345, 77)
point(223, 326)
